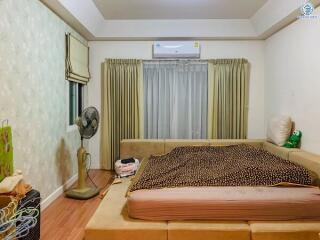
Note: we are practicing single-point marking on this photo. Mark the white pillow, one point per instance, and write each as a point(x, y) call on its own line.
point(279, 129)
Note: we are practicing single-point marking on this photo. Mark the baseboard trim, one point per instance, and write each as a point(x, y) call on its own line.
point(53, 196)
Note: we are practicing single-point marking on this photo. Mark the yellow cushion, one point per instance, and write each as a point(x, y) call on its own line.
point(205, 230)
point(111, 221)
point(279, 151)
point(285, 230)
point(141, 148)
point(170, 144)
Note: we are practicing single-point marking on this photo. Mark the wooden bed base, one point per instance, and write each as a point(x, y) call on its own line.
point(111, 221)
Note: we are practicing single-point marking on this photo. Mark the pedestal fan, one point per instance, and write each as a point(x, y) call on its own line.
point(88, 124)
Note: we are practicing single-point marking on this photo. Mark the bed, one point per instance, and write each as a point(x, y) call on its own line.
point(237, 182)
point(112, 221)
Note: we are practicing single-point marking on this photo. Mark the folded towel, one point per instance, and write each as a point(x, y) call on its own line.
point(15, 186)
point(9, 183)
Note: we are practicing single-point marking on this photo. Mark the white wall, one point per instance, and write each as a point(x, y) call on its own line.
point(292, 78)
point(34, 94)
point(252, 50)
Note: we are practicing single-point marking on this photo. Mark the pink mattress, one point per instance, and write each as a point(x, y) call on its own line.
point(226, 203)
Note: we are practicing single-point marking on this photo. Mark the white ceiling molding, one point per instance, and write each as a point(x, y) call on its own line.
point(176, 29)
point(86, 12)
point(69, 18)
point(86, 18)
point(82, 16)
point(178, 9)
point(276, 14)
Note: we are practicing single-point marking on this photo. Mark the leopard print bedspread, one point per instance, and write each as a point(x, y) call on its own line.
point(238, 165)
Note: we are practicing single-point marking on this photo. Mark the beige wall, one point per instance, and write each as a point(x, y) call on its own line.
point(252, 50)
point(293, 78)
point(34, 93)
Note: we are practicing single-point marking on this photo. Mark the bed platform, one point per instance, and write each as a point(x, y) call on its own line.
point(111, 220)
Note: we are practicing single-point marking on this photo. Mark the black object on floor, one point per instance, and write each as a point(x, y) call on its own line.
point(32, 199)
point(128, 160)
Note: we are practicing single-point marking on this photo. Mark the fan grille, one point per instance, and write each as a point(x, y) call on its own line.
point(89, 122)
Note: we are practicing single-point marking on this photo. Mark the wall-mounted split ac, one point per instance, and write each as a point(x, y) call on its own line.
point(176, 49)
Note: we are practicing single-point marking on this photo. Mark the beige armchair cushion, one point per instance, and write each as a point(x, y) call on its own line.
point(141, 148)
point(170, 144)
point(205, 230)
point(111, 220)
point(279, 151)
point(285, 230)
point(227, 142)
point(308, 160)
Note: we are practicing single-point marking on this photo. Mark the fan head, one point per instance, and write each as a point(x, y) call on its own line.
point(88, 122)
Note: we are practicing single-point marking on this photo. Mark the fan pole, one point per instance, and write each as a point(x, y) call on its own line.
point(82, 158)
point(82, 191)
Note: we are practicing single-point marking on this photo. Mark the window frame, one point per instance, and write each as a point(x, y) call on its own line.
point(75, 102)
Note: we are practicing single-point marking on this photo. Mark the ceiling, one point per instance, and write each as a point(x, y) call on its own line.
point(178, 9)
point(133, 20)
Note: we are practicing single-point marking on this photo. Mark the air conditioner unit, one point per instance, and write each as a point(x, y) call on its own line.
point(176, 49)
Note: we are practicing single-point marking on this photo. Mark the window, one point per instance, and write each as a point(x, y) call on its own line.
point(176, 99)
point(196, 99)
point(75, 101)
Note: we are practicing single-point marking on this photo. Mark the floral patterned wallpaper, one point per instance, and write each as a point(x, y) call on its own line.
point(34, 93)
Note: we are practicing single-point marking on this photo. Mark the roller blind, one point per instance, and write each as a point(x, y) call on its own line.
point(77, 60)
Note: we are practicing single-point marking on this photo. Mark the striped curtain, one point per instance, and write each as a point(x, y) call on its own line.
point(122, 106)
point(228, 81)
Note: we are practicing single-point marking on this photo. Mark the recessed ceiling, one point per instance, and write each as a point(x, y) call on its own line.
point(177, 19)
point(178, 9)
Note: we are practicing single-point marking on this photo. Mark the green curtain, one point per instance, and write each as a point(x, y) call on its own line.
point(228, 81)
point(121, 110)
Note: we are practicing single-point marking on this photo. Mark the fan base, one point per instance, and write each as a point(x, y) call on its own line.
point(82, 194)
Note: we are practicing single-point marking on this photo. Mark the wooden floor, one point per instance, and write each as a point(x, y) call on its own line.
point(66, 218)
